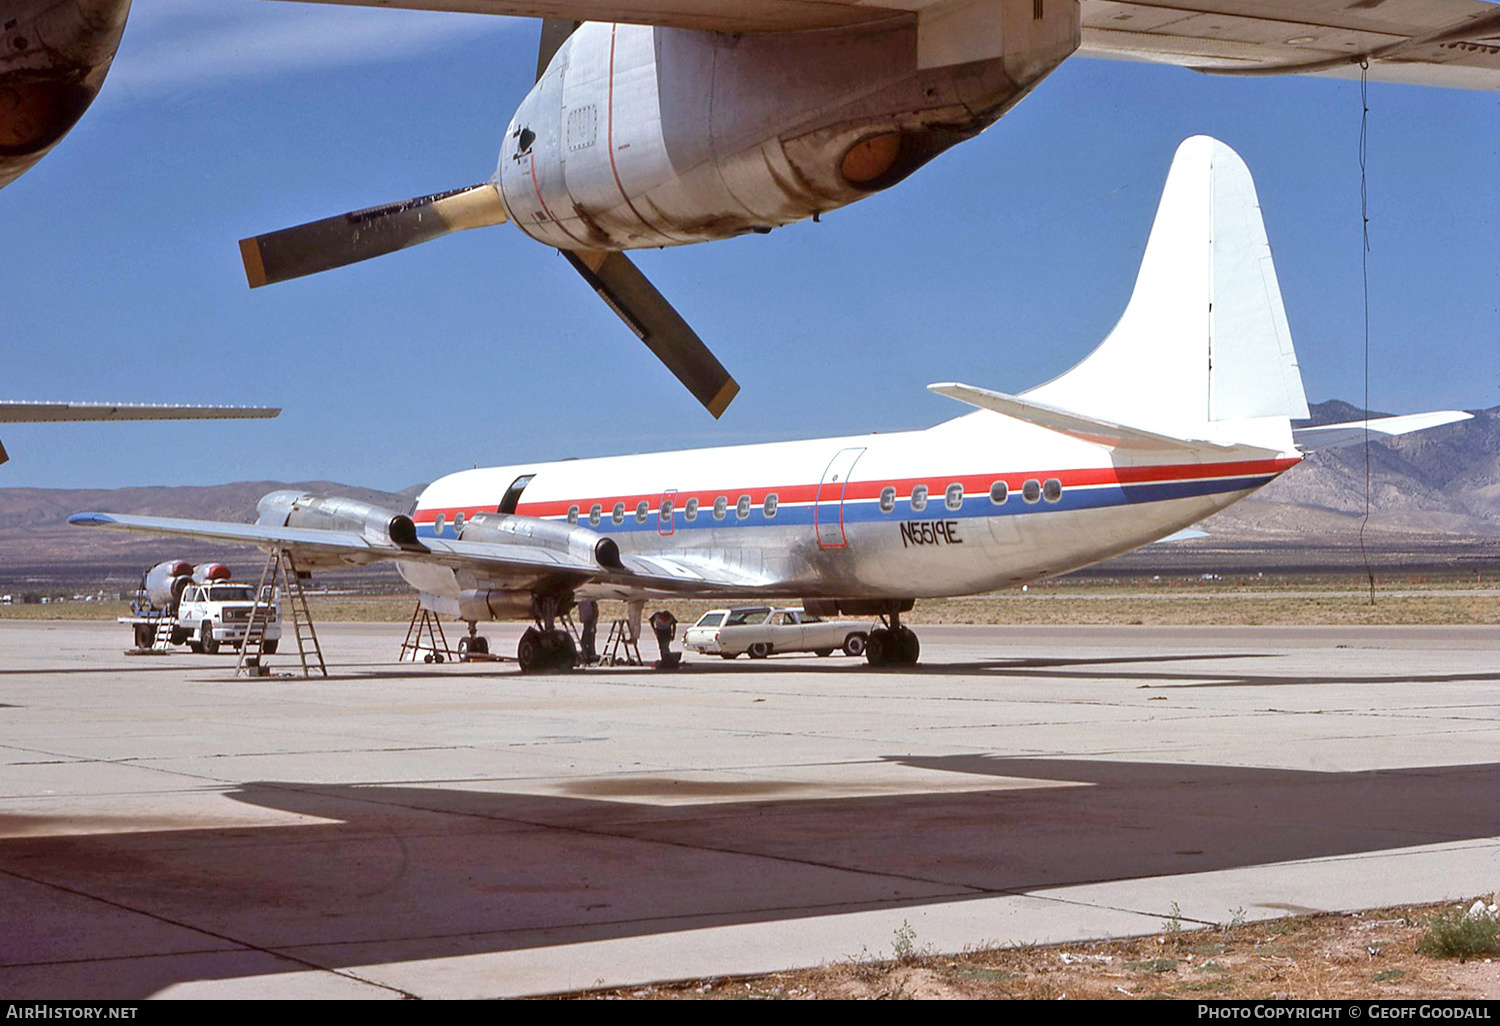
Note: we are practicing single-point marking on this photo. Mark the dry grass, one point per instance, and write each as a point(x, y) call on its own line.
point(1321, 957)
point(1335, 602)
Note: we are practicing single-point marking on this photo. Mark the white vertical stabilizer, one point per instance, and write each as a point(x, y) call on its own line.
point(1204, 339)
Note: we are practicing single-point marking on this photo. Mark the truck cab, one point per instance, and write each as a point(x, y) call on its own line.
point(218, 613)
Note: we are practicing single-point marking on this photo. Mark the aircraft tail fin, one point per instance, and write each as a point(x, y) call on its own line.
point(1204, 339)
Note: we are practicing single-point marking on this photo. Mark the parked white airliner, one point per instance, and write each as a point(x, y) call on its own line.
point(1183, 409)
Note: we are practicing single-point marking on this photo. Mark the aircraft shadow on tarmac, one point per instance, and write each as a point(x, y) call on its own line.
point(399, 873)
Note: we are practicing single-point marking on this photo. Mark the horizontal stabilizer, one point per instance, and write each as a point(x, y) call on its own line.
point(647, 313)
point(1089, 429)
point(16, 412)
point(349, 238)
point(1354, 432)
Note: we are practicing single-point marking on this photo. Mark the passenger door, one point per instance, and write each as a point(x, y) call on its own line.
point(828, 506)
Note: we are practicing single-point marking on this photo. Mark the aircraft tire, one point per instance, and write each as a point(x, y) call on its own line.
point(878, 647)
point(908, 648)
point(564, 652)
point(529, 651)
point(854, 645)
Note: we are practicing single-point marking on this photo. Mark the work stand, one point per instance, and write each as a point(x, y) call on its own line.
point(425, 638)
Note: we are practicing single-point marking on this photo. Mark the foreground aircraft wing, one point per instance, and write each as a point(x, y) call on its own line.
point(1453, 43)
point(1354, 432)
point(16, 411)
point(522, 564)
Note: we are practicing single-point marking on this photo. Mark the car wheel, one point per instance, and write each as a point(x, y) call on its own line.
point(854, 645)
point(727, 655)
point(823, 652)
point(207, 640)
point(759, 650)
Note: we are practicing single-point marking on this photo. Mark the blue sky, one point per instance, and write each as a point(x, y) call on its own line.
point(1001, 263)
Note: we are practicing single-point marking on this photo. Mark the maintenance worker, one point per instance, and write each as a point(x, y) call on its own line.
point(588, 615)
point(665, 626)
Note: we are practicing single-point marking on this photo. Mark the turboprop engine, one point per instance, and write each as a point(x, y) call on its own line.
point(289, 508)
point(639, 137)
point(644, 136)
point(165, 583)
point(54, 55)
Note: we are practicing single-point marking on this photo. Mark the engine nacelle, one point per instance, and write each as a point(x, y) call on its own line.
point(288, 508)
point(474, 605)
point(54, 55)
point(510, 529)
point(638, 136)
point(165, 583)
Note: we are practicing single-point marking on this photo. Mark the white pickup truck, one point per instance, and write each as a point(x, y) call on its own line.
point(215, 614)
point(761, 630)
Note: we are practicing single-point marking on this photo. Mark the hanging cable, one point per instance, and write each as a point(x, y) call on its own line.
point(1364, 270)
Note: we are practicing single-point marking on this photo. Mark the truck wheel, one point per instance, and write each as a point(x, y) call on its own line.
point(207, 640)
point(145, 637)
point(268, 647)
point(854, 645)
point(180, 636)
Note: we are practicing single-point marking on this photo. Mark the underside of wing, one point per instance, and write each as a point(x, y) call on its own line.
point(707, 15)
point(510, 565)
point(1454, 43)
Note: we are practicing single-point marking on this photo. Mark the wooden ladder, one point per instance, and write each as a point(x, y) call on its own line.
point(281, 574)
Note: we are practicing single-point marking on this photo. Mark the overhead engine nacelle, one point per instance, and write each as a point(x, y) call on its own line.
point(510, 529)
point(54, 55)
point(641, 137)
point(290, 508)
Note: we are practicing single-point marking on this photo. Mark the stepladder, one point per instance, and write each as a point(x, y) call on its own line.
point(280, 577)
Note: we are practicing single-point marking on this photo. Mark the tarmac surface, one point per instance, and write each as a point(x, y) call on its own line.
point(465, 831)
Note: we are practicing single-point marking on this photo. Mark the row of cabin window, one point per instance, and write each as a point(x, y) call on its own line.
point(953, 497)
point(689, 510)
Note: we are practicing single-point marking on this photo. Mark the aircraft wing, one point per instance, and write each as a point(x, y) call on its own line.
point(505, 565)
point(1454, 43)
point(14, 411)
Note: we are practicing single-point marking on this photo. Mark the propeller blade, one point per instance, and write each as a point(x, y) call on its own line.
point(362, 234)
point(555, 32)
point(643, 309)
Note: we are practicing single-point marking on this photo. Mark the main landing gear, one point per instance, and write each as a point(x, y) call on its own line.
point(892, 644)
point(546, 646)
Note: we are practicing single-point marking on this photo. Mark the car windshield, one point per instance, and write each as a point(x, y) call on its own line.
point(710, 619)
point(230, 593)
point(739, 616)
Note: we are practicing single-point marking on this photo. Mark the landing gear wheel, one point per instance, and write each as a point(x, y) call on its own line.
point(564, 652)
point(207, 640)
point(854, 645)
point(759, 650)
point(145, 636)
point(878, 647)
point(529, 651)
point(907, 647)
